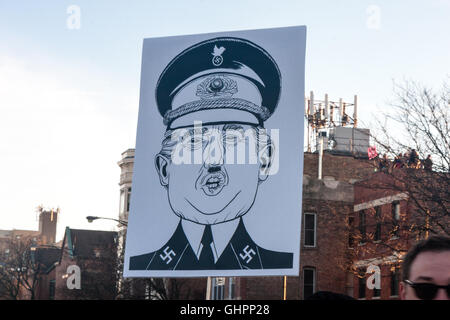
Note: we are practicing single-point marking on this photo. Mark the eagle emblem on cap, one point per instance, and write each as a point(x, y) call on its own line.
point(217, 55)
point(217, 86)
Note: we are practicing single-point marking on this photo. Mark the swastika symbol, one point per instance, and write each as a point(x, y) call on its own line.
point(217, 60)
point(248, 254)
point(168, 255)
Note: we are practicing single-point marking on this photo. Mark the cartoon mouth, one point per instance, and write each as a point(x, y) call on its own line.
point(213, 183)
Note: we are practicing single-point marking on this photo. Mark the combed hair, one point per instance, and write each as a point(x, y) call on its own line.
point(432, 244)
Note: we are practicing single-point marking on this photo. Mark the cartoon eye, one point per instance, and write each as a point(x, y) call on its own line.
point(193, 142)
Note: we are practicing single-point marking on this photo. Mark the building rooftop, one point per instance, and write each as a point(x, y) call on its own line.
point(82, 243)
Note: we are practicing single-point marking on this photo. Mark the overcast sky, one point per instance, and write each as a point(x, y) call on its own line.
point(69, 89)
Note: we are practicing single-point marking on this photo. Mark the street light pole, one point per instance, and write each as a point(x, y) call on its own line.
point(92, 218)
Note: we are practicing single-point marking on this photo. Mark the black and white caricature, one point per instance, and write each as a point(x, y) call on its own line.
point(202, 202)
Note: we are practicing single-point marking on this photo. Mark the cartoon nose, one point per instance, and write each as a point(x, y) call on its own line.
point(213, 153)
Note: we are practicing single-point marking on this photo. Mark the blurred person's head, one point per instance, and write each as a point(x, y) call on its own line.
point(426, 270)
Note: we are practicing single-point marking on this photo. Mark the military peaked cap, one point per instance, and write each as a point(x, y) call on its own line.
point(222, 73)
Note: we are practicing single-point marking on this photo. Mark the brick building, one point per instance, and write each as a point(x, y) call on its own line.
point(30, 253)
point(391, 213)
point(47, 257)
point(44, 267)
point(378, 228)
point(90, 256)
point(95, 253)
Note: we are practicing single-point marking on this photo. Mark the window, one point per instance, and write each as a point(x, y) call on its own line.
point(361, 287)
point(231, 288)
point(395, 218)
point(395, 276)
point(351, 240)
point(376, 293)
point(122, 202)
point(310, 229)
point(396, 211)
point(51, 290)
point(362, 225)
point(377, 235)
point(128, 199)
point(218, 288)
point(309, 282)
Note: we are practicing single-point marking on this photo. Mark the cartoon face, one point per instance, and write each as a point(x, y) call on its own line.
point(212, 173)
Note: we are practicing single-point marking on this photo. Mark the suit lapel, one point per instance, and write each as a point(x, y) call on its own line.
point(175, 251)
point(241, 252)
point(177, 254)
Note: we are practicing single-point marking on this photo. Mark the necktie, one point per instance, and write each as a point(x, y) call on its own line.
point(206, 259)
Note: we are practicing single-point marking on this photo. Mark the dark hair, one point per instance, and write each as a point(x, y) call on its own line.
point(327, 295)
point(432, 244)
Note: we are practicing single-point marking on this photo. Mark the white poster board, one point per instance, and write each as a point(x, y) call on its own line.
point(217, 180)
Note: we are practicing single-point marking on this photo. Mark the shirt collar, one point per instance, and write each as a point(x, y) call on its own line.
point(222, 234)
